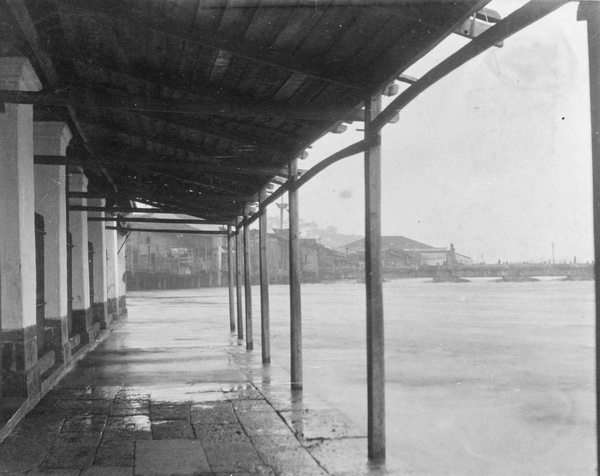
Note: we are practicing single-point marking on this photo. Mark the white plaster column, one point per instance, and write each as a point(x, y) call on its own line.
point(78, 226)
point(217, 261)
point(120, 272)
point(112, 290)
point(52, 138)
point(17, 232)
point(98, 239)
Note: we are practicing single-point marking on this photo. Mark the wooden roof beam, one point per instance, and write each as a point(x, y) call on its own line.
point(177, 84)
point(516, 21)
point(19, 11)
point(109, 146)
point(420, 50)
point(217, 40)
point(113, 131)
point(147, 182)
point(129, 195)
point(127, 210)
point(149, 179)
point(311, 3)
point(154, 199)
point(235, 137)
point(178, 180)
point(88, 99)
point(166, 230)
point(118, 209)
point(199, 152)
point(189, 221)
point(348, 151)
point(201, 210)
point(98, 162)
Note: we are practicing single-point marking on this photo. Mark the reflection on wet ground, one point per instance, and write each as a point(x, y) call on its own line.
point(482, 378)
point(171, 392)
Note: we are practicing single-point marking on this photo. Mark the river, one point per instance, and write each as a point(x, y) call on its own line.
point(482, 378)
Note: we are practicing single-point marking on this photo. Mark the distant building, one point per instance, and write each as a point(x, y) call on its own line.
point(399, 252)
point(335, 264)
point(278, 257)
point(318, 262)
point(158, 260)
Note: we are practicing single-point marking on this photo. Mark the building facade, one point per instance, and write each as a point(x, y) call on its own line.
point(61, 285)
point(319, 263)
point(158, 260)
point(401, 254)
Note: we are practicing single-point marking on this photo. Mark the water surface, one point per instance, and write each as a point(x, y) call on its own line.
point(482, 378)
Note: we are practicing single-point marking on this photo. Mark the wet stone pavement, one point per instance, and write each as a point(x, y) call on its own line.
point(222, 429)
point(121, 412)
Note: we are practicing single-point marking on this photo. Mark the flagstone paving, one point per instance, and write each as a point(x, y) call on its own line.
point(231, 429)
point(140, 406)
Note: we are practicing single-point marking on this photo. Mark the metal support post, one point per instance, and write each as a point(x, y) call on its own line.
point(295, 277)
point(590, 12)
point(265, 332)
point(373, 279)
point(231, 277)
point(248, 281)
point(239, 258)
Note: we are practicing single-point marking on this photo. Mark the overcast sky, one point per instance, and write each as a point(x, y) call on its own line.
point(495, 158)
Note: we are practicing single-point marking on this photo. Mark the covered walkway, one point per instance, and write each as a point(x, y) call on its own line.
point(201, 109)
point(168, 392)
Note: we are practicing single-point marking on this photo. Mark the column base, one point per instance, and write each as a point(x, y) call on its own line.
point(67, 352)
point(122, 306)
point(101, 314)
point(20, 373)
point(116, 308)
point(82, 324)
point(57, 337)
point(112, 310)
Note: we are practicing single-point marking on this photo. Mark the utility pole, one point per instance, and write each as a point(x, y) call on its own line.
point(552, 253)
point(282, 206)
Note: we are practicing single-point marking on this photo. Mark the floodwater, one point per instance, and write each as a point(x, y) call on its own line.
point(482, 378)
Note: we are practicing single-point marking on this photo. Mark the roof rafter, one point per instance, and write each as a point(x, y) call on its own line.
point(116, 209)
point(187, 146)
point(209, 182)
point(216, 40)
point(185, 208)
point(167, 230)
point(382, 73)
point(19, 11)
point(161, 220)
point(99, 162)
point(88, 99)
point(208, 185)
point(516, 21)
point(154, 210)
point(184, 87)
point(231, 136)
point(201, 210)
point(171, 192)
point(166, 195)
